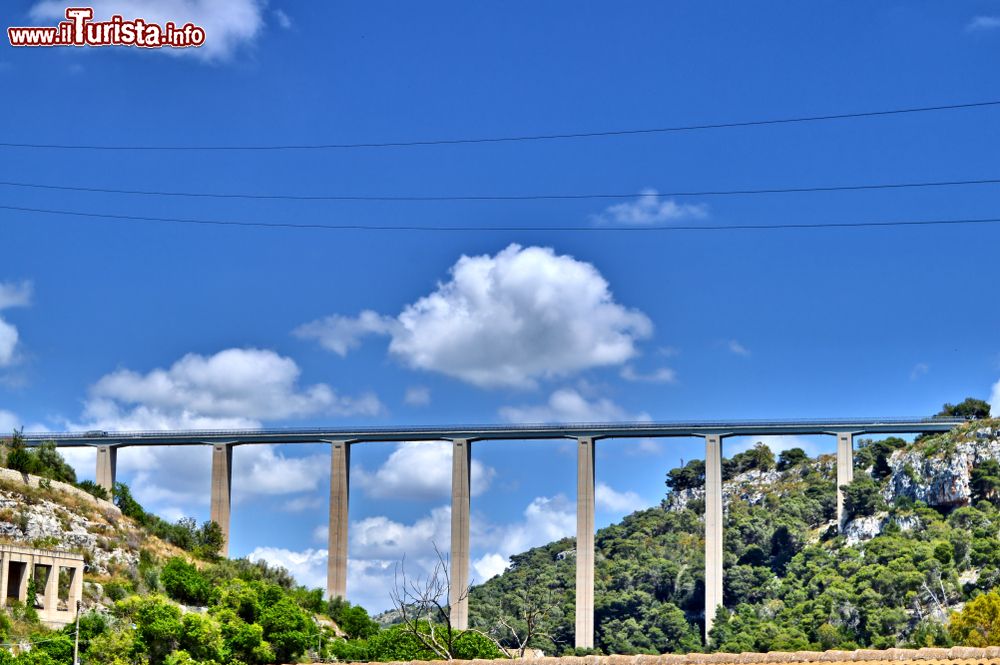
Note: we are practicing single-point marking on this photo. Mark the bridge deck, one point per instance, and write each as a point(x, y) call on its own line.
point(858, 426)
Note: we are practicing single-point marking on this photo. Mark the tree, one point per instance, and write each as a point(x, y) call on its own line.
point(970, 408)
point(158, 624)
point(519, 619)
point(861, 497)
point(209, 540)
point(184, 583)
point(759, 457)
point(93, 489)
point(689, 476)
point(50, 464)
point(790, 458)
point(127, 504)
point(286, 628)
point(978, 624)
point(18, 456)
point(985, 482)
point(422, 603)
point(352, 619)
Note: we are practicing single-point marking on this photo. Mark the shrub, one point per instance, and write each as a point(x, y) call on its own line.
point(861, 497)
point(93, 489)
point(184, 583)
point(978, 624)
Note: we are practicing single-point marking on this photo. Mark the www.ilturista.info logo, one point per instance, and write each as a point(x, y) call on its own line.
point(81, 30)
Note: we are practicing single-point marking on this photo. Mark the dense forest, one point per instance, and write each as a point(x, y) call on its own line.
point(906, 561)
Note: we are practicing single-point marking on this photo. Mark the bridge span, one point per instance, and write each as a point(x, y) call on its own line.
point(462, 438)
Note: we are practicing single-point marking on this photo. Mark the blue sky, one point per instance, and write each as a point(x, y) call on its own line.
point(128, 324)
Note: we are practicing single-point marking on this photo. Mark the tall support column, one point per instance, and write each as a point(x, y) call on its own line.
point(340, 478)
point(585, 543)
point(222, 480)
point(845, 469)
point(461, 464)
point(713, 529)
point(107, 466)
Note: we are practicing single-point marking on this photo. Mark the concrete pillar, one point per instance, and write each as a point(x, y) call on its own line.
point(51, 594)
point(107, 466)
point(4, 577)
point(76, 588)
point(26, 573)
point(340, 476)
point(585, 543)
point(222, 479)
point(845, 469)
point(713, 529)
point(461, 465)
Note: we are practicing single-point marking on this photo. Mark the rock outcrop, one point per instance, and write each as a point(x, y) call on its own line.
point(52, 515)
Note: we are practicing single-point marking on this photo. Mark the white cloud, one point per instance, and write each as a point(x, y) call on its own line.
point(8, 343)
point(11, 295)
point(417, 396)
point(566, 405)
point(647, 447)
point(302, 504)
point(175, 479)
point(308, 567)
point(919, 370)
point(235, 388)
point(614, 501)
point(8, 422)
point(737, 348)
point(650, 208)
point(661, 375)
point(341, 334)
point(266, 471)
point(382, 538)
point(419, 470)
point(489, 566)
point(983, 23)
point(284, 20)
point(545, 519)
point(228, 25)
point(15, 294)
point(505, 321)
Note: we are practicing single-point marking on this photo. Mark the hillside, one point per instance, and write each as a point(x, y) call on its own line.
point(156, 593)
point(922, 539)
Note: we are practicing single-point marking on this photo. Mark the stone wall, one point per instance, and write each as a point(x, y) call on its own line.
point(10, 475)
point(953, 656)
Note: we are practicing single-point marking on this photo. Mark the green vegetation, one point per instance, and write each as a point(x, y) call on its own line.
point(791, 580)
point(203, 542)
point(978, 624)
point(43, 461)
point(970, 407)
point(253, 615)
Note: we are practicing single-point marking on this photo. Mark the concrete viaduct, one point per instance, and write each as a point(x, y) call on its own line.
point(462, 438)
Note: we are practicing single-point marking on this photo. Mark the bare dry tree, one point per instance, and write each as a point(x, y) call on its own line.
point(422, 603)
point(523, 621)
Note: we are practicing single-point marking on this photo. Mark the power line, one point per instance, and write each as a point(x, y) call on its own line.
point(463, 229)
point(516, 138)
point(500, 197)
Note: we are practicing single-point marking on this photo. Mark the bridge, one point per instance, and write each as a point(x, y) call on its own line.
point(462, 437)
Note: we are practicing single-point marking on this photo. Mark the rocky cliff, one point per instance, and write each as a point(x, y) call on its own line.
point(46, 514)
